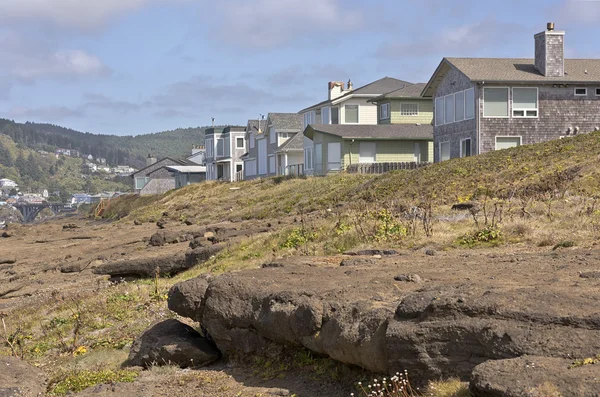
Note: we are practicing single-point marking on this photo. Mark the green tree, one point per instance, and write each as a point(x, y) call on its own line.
point(5, 156)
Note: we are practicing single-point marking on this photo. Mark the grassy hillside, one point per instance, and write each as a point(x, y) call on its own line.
point(538, 195)
point(121, 150)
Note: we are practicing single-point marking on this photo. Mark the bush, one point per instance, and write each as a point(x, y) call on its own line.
point(77, 381)
point(486, 235)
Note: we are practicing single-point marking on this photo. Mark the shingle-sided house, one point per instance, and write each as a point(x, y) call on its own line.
point(271, 157)
point(485, 104)
point(404, 106)
point(155, 178)
point(254, 129)
point(224, 150)
point(345, 106)
point(338, 146)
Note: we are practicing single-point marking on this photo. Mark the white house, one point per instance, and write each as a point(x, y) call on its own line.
point(224, 150)
point(8, 183)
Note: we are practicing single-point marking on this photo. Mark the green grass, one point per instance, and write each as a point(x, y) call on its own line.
point(77, 381)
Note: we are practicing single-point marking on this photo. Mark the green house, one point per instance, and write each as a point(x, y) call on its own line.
point(335, 147)
point(404, 106)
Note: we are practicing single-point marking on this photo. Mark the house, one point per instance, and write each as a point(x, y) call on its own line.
point(224, 149)
point(404, 106)
point(335, 147)
point(483, 104)
point(8, 183)
point(198, 155)
point(346, 105)
point(155, 178)
point(187, 174)
point(81, 198)
point(254, 129)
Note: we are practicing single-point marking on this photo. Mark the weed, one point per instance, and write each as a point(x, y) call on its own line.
point(586, 361)
point(76, 381)
point(485, 235)
point(297, 238)
point(14, 340)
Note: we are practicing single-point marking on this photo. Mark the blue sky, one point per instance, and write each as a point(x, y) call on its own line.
point(138, 66)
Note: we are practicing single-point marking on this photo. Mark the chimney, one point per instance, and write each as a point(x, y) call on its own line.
point(336, 89)
point(150, 160)
point(350, 86)
point(550, 52)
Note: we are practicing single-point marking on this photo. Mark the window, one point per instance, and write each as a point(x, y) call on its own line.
point(409, 109)
point(495, 102)
point(469, 104)
point(351, 114)
point(325, 116)
point(220, 147)
point(318, 165)
point(272, 135)
point(384, 111)
point(262, 156)
point(239, 143)
point(272, 169)
point(239, 167)
point(283, 135)
point(308, 158)
point(444, 151)
point(465, 147)
point(309, 118)
point(250, 167)
point(459, 106)
point(209, 148)
point(505, 142)
point(449, 108)
point(597, 91)
point(525, 102)
point(140, 182)
point(251, 140)
point(580, 91)
point(439, 111)
point(335, 115)
point(334, 156)
point(367, 152)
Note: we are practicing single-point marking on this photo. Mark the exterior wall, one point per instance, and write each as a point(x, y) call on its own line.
point(151, 169)
point(549, 53)
point(367, 112)
point(184, 179)
point(158, 186)
point(558, 110)
point(425, 115)
point(454, 81)
point(388, 151)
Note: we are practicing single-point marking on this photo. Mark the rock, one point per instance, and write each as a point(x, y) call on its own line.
point(357, 261)
point(137, 223)
point(172, 343)
point(8, 259)
point(371, 252)
point(208, 234)
point(161, 238)
point(430, 252)
point(190, 221)
point(6, 234)
point(161, 224)
point(17, 378)
point(226, 235)
point(201, 255)
point(186, 297)
point(69, 226)
point(199, 242)
point(71, 268)
point(466, 206)
point(590, 275)
point(313, 261)
point(411, 278)
point(144, 267)
point(534, 376)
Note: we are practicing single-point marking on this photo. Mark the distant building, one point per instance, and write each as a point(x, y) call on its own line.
point(81, 198)
point(198, 155)
point(8, 183)
point(62, 152)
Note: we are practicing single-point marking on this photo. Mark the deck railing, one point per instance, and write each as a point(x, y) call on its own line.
point(239, 176)
point(293, 170)
point(381, 168)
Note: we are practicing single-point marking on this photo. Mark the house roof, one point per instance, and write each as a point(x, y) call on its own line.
point(377, 87)
point(388, 132)
point(176, 161)
point(186, 169)
point(410, 91)
point(514, 70)
point(254, 125)
point(294, 143)
point(291, 122)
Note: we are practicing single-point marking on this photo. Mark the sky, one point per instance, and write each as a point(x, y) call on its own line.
point(129, 67)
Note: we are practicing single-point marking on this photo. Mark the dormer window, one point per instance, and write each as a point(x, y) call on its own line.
point(580, 91)
point(384, 111)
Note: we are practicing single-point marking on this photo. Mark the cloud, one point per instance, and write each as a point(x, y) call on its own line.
point(270, 23)
point(78, 14)
point(102, 102)
point(300, 74)
point(28, 59)
point(586, 11)
point(46, 113)
point(463, 40)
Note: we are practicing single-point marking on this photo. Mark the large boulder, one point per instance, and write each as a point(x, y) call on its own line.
point(17, 378)
point(186, 297)
point(536, 377)
point(145, 267)
point(200, 255)
point(172, 343)
point(165, 237)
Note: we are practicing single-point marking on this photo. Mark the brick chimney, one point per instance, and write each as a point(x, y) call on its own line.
point(550, 52)
point(335, 89)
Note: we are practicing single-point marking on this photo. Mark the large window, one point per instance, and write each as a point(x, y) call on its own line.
point(262, 156)
point(505, 142)
point(495, 102)
point(444, 151)
point(459, 106)
point(272, 135)
point(325, 116)
point(251, 143)
point(367, 152)
point(334, 156)
point(409, 109)
point(525, 102)
point(319, 157)
point(220, 147)
point(335, 115)
point(272, 169)
point(351, 114)
point(449, 108)
point(140, 182)
point(384, 111)
point(308, 158)
point(209, 148)
point(465, 147)
point(439, 111)
point(309, 118)
point(469, 104)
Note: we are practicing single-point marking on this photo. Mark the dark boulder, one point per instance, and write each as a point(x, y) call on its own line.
point(144, 267)
point(372, 252)
point(201, 255)
point(186, 297)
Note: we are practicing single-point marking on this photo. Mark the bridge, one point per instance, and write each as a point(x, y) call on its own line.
point(31, 210)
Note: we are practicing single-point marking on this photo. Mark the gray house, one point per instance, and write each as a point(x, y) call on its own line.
point(485, 104)
point(254, 129)
point(224, 150)
point(155, 178)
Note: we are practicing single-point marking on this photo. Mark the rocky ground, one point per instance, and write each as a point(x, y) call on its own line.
point(511, 320)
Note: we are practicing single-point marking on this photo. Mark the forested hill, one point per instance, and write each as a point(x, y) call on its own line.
point(118, 150)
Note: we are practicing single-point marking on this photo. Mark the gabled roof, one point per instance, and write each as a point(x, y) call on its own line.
point(514, 70)
point(377, 87)
point(255, 125)
point(186, 169)
point(387, 132)
point(286, 122)
point(176, 161)
point(294, 143)
point(409, 91)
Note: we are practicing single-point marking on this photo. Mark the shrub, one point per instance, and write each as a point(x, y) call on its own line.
point(486, 235)
point(77, 381)
point(297, 238)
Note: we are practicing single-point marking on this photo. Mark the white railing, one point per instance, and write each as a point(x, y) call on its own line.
point(381, 168)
